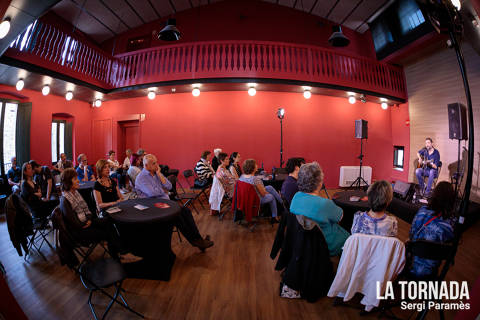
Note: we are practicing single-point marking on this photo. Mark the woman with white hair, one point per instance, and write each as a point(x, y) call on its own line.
point(308, 202)
point(215, 160)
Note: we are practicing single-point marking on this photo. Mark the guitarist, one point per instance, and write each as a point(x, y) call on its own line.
point(428, 161)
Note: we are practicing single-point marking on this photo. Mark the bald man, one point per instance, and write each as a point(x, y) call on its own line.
point(150, 182)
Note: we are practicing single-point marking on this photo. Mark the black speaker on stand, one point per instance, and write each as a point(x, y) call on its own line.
point(361, 132)
point(457, 130)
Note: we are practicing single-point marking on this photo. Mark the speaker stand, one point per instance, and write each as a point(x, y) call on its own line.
point(358, 182)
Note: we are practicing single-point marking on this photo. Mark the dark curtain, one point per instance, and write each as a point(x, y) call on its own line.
point(22, 144)
point(68, 140)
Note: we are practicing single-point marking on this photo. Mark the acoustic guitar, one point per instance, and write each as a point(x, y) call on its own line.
point(425, 163)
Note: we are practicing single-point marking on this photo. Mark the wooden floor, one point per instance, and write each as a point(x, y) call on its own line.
point(235, 279)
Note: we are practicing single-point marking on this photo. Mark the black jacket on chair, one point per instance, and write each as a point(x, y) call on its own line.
point(19, 222)
point(304, 256)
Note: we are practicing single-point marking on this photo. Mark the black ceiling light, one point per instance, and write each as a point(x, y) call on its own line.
point(170, 32)
point(338, 39)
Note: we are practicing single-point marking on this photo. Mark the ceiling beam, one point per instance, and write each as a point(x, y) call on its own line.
point(113, 12)
point(173, 6)
point(93, 16)
point(351, 11)
point(313, 7)
point(373, 13)
point(331, 9)
point(155, 10)
point(135, 11)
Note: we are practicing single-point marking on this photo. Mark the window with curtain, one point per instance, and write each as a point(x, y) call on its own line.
point(9, 127)
point(58, 139)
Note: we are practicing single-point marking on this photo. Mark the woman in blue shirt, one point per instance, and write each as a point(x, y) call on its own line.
point(308, 202)
point(434, 222)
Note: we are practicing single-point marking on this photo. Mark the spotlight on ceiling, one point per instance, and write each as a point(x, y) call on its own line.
point(384, 106)
point(46, 90)
point(4, 27)
point(98, 103)
point(170, 32)
point(69, 95)
point(352, 99)
point(151, 94)
point(281, 113)
point(307, 94)
point(196, 91)
point(338, 39)
point(20, 84)
point(252, 91)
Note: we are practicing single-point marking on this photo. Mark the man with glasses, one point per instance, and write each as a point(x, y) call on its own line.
point(84, 171)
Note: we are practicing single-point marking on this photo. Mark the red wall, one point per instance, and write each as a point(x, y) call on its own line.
point(249, 20)
point(43, 107)
point(401, 137)
point(178, 127)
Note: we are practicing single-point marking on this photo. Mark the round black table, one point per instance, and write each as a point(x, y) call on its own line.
point(148, 234)
point(86, 191)
point(275, 183)
point(342, 199)
point(402, 209)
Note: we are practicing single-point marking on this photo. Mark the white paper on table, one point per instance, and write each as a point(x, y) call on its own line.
point(113, 210)
point(140, 207)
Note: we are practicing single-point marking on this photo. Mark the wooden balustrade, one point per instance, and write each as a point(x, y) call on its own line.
point(45, 45)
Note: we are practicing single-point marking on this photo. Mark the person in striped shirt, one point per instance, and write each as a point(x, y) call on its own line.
point(203, 169)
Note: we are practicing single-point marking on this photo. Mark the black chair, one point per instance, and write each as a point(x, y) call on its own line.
point(189, 176)
point(94, 275)
point(101, 274)
point(226, 203)
point(444, 253)
point(41, 229)
point(185, 198)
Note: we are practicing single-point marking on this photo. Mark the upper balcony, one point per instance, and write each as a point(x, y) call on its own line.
point(45, 46)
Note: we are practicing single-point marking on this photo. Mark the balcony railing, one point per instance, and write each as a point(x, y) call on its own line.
point(44, 45)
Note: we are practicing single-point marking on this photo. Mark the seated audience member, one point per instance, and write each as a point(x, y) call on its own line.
point(234, 165)
point(68, 164)
point(224, 176)
point(84, 225)
point(308, 202)
point(31, 193)
point(126, 162)
point(116, 171)
point(290, 186)
point(106, 191)
point(434, 222)
point(44, 179)
point(376, 221)
point(215, 160)
point(114, 165)
point(268, 195)
point(204, 170)
point(84, 171)
point(60, 165)
point(134, 168)
point(141, 154)
point(151, 183)
point(14, 175)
